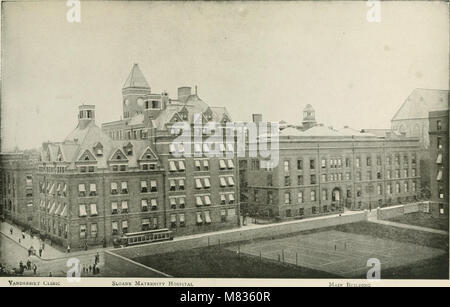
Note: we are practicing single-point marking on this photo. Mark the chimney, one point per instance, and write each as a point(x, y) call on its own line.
point(184, 92)
point(257, 118)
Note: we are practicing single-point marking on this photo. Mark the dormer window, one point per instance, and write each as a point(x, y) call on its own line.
point(128, 149)
point(98, 149)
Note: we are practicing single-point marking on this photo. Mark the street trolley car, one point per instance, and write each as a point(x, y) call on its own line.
point(144, 237)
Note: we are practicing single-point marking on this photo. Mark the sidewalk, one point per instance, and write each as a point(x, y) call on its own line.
point(49, 252)
point(406, 226)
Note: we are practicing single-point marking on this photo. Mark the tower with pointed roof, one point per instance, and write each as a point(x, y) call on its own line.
point(134, 92)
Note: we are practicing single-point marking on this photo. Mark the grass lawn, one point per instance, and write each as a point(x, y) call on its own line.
point(423, 220)
point(224, 262)
point(221, 263)
point(397, 234)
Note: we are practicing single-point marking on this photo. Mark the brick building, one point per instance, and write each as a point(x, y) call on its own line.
point(323, 170)
point(439, 167)
point(125, 177)
point(17, 188)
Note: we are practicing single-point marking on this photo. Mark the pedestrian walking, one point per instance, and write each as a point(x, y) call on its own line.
point(40, 252)
point(68, 249)
point(29, 265)
point(23, 235)
point(11, 231)
point(43, 245)
point(90, 269)
point(50, 274)
point(34, 269)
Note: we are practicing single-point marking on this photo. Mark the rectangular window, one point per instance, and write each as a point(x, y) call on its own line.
point(115, 228)
point(286, 166)
point(197, 165)
point(230, 164)
point(144, 205)
point(231, 181)
point(182, 220)
point(300, 197)
point(198, 201)
point(223, 182)
point(287, 181)
point(206, 165)
point(114, 208)
point(172, 166)
point(172, 185)
point(153, 186)
point(94, 230)
point(144, 188)
point(199, 219)
point(92, 189)
point(124, 206)
point(181, 202)
point(154, 203)
point(173, 203)
point(181, 166)
point(358, 162)
point(207, 183)
point(173, 221)
point(324, 194)
point(145, 224)
point(207, 200)
point(94, 211)
point(287, 198)
point(324, 163)
point(83, 212)
point(438, 125)
point(300, 179)
point(312, 164)
point(81, 190)
point(113, 188)
point(124, 187)
point(181, 184)
point(313, 195)
point(82, 231)
point(222, 164)
point(124, 226)
point(313, 179)
point(198, 183)
point(231, 198)
point(299, 165)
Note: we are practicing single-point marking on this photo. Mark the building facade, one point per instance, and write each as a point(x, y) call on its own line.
point(130, 175)
point(323, 171)
point(18, 188)
point(439, 154)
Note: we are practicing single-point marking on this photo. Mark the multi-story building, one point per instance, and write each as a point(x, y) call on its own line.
point(18, 188)
point(439, 167)
point(411, 120)
point(323, 170)
point(130, 175)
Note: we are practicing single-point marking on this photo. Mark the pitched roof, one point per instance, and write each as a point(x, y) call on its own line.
point(420, 102)
point(136, 78)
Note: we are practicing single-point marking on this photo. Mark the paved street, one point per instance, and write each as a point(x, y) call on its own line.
point(52, 261)
point(48, 253)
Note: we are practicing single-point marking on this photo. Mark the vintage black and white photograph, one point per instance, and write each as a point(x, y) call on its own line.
point(181, 142)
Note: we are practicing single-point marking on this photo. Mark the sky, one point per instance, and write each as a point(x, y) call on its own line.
point(271, 58)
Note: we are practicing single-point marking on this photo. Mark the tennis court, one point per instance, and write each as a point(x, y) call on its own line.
point(341, 253)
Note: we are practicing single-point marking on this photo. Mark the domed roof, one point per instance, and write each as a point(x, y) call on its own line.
point(308, 107)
